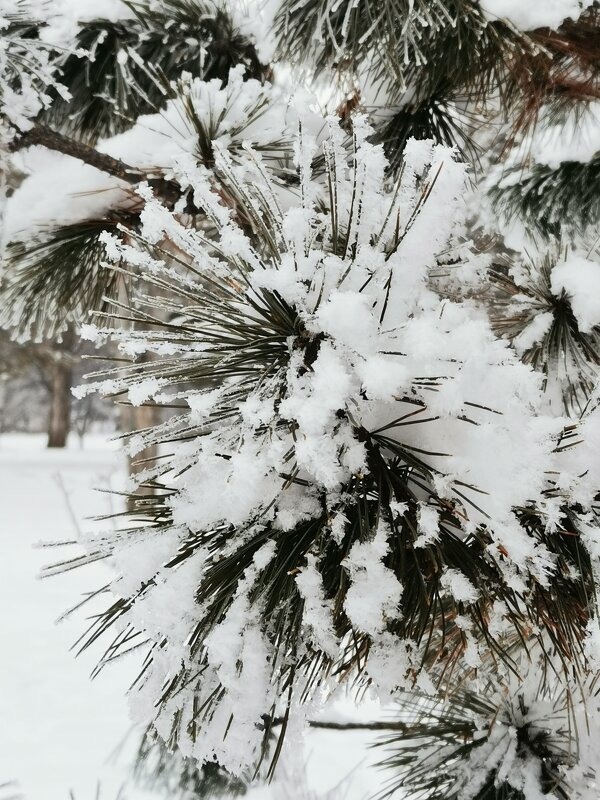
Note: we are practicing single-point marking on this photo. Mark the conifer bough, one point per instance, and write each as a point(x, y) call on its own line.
point(363, 480)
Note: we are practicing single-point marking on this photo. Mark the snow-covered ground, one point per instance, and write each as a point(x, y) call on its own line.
point(60, 731)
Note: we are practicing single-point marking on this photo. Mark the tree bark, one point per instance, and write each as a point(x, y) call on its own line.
point(58, 367)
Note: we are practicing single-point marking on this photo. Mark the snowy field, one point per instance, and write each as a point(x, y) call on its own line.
point(60, 732)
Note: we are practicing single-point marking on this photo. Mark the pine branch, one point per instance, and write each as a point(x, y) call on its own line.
point(229, 332)
point(428, 47)
point(560, 73)
point(516, 305)
point(47, 283)
point(27, 70)
point(389, 725)
point(424, 55)
point(551, 199)
point(499, 742)
point(42, 135)
point(160, 42)
point(169, 191)
point(434, 118)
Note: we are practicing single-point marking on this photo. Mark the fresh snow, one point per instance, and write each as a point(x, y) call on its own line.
point(528, 15)
point(63, 17)
point(579, 278)
point(60, 730)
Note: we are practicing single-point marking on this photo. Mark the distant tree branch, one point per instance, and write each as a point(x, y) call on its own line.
point(359, 726)
point(391, 725)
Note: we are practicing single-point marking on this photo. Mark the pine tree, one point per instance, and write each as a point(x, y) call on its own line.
point(374, 336)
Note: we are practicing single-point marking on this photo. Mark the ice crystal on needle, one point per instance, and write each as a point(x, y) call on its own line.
point(360, 474)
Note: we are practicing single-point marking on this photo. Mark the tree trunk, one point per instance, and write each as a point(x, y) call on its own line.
point(59, 369)
point(59, 422)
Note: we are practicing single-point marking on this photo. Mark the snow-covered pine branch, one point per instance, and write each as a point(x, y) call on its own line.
point(362, 479)
point(53, 273)
point(27, 68)
point(527, 734)
point(548, 307)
